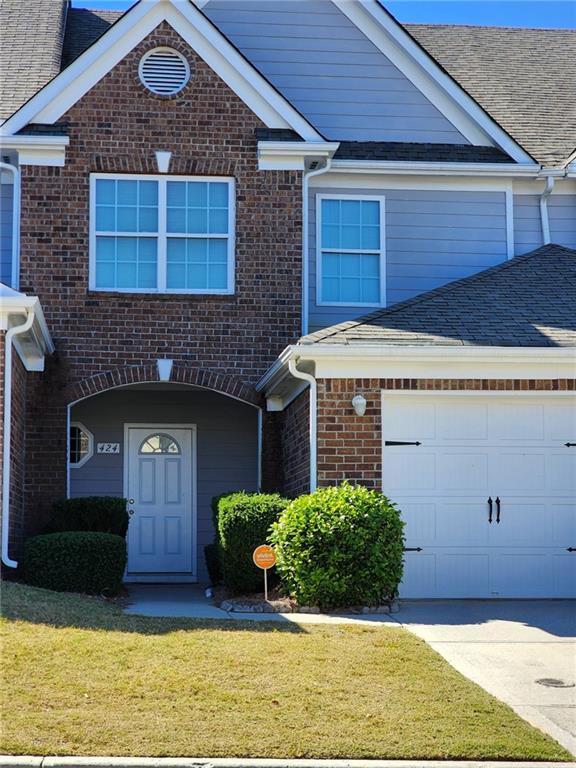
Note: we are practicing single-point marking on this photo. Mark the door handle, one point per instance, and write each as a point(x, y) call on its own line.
point(497, 509)
point(489, 509)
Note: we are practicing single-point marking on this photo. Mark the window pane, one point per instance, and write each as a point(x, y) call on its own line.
point(105, 192)
point(218, 221)
point(351, 237)
point(176, 193)
point(217, 276)
point(176, 219)
point(218, 195)
point(159, 444)
point(126, 262)
point(353, 224)
point(196, 263)
point(105, 219)
point(331, 211)
point(126, 219)
point(197, 221)
point(370, 212)
point(148, 193)
point(331, 235)
point(351, 278)
point(79, 445)
point(197, 194)
point(127, 192)
point(218, 251)
point(176, 250)
point(198, 276)
point(148, 220)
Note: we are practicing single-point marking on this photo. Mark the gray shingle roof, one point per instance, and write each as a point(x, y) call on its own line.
point(83, 28)
point(31, 37)
point(528, 301)
point(524, 78)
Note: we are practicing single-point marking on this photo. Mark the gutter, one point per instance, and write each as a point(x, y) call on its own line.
point(313, 418)
point(544, 217)
point(15, 272)
point(10, 334)
point(305, 239)
point(406, 168)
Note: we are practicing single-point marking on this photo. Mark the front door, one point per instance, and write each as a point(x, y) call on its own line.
point(161, 494)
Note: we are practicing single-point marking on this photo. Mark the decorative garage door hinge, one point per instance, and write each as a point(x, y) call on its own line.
point(570, 445)
point(399, 442)
point(412, 549)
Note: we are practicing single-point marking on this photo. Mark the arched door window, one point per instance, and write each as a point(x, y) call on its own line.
point(159, 443)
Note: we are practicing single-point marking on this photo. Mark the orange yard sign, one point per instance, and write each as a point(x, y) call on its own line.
point(264, 557)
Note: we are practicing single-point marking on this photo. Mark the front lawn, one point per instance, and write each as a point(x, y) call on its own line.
point(80, 678)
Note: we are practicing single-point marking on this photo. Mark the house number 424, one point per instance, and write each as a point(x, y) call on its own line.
point(108, 448)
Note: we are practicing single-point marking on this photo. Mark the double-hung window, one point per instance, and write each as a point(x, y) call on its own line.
point(162, 234)
point(350, 251)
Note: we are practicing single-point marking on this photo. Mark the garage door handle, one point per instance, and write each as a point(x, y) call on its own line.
point(490, 509)
point(497, 509)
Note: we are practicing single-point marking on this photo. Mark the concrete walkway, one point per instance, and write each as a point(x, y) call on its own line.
point(506, 646)
point(188, 601)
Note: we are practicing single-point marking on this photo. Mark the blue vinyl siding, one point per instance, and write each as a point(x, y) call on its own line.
point(528, 225)
point(227, 444)
point(432, 237)
point(562, 216)
point(6, 200)
point(322, 63)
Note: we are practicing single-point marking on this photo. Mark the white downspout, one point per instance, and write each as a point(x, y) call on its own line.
point(313, 418)
point(15, 222)
point(305, 239)
point(10, 333)
point(544, 210)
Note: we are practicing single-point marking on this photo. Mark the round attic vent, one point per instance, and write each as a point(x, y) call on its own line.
point(164, 71)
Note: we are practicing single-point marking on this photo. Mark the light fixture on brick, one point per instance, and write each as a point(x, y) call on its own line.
point(359, 405)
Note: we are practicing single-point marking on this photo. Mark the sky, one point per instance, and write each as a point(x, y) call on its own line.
point(501, 13)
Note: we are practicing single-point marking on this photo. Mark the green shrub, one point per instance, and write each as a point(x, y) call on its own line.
point(339, 547)
point(213, 564)
point(75, 561)
point(244, 521)
point(106, 514)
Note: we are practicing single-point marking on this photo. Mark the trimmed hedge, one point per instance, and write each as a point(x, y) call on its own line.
point(339, 547)
point(244, 522)
point(75, 561)
point(104, 514)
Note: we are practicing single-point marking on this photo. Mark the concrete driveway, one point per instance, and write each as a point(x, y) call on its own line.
point(506, 647)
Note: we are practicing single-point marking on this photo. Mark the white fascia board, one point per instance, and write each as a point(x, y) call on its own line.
point(37, 150)
point(465, 114)
point(401, 168)
point(342, 361)
point(292, 155)
point(56, 98)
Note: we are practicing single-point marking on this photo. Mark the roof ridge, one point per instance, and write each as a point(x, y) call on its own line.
point(433, 25)
point(441, 290)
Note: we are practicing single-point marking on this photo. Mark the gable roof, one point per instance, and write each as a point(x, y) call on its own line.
point(31, 39)
point(525, 302)
point(524, 78)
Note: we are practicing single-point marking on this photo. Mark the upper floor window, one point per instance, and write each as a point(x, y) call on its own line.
point(350, 262)
point(162, 234)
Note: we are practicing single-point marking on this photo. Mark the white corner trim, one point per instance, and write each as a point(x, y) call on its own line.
point(37, 150)
point(52, 101)
point(90, 452)
point(163, 161)
point(292, 155)
point(445, 94)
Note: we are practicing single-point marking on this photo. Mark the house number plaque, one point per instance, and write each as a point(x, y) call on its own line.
point(108, 448)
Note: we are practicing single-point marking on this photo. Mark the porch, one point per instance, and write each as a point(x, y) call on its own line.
point(168, 448)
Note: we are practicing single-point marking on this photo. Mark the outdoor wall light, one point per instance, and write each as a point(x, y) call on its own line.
point(359, 405)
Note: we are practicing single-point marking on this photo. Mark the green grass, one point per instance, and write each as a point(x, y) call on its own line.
point(79, 677)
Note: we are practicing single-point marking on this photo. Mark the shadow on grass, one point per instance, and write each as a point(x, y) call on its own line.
point(19, 602)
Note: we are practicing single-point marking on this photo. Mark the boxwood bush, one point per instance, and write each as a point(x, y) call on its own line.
point(244, 522)
point(106, 514)
point(75, 561)
point(339, 547)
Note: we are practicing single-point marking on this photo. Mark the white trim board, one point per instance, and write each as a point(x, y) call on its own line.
point(61, 93)
point(455, 104)
point(159, 577)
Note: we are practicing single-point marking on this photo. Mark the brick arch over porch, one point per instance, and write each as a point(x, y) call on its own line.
point(180, 374)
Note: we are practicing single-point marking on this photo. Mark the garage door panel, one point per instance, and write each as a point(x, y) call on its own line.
point(560, 420)
point(462, 422)
point(562, 471)
point(516, 421)
point(409, 471)
point(462, 471)
point(419, 578)
point(450, 521)
point(517, 472)
point(416, 423)
point(564, 574)
point(420, 522)
point(462, 574)
point(521, 574)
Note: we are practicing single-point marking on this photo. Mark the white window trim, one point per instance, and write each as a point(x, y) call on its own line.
point(162, 235)
point(90, 437)
point(319, 251)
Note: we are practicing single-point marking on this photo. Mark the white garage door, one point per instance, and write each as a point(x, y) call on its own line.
point(487, 488)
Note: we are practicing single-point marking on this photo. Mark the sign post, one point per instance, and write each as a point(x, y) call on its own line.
point(264, 557)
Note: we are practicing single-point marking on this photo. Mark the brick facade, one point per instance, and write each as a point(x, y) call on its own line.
point(295, 426)
point(99, 336)
point(350, 446)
